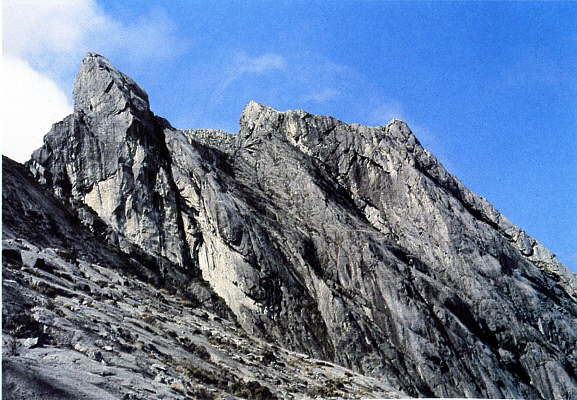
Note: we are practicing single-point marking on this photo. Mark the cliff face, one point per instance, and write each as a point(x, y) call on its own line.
point(110, 155)
point(350, 243)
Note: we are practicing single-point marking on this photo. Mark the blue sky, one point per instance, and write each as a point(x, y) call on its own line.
point(490, 88)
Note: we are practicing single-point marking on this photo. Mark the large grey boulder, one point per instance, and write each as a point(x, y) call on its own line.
point(347, 242)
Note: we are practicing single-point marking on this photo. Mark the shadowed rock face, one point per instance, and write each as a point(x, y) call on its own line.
point(350, 243)
point(83, 320)
point(110, 155)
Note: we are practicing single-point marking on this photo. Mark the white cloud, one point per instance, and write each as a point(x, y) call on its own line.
point(43, 44)
point(387, 112)
point(35, 26)
point(41, 29)
point(260, 64)
point(151, 36)
point(322, 96)
point(31, 103)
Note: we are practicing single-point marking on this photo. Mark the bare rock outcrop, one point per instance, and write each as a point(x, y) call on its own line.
point(83, 320)
point(350, 243)
point(110, 155)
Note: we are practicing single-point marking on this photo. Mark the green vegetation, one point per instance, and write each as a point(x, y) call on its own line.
point(227, 382)
point(196, 349)
point(331, 388)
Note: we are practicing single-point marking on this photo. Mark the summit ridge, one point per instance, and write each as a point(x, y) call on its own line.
point(348, 243)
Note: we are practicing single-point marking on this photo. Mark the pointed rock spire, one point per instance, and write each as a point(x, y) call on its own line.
point(99, 88)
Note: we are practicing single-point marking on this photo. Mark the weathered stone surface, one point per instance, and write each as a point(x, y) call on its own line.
point(93, 327)
point(110, 155)
point(350, 243)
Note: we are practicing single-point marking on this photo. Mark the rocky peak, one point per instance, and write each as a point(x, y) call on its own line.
point(348, 242)
point(110, 155)
point(258, 121)
point(99, 88)
point(400, 130)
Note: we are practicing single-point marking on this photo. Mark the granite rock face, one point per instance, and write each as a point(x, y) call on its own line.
point(83, 320)
point(111, 156)
point(349, 243)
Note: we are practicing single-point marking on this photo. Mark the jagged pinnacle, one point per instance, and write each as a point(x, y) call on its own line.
point(100, 88)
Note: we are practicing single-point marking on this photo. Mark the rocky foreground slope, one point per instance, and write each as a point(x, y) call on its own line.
point(347, 243)
point(82, 320)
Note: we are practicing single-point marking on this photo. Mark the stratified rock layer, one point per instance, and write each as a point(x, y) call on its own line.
point(347, 242)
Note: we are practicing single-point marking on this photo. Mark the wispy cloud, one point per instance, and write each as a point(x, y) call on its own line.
point(322, 80)
point(386, 112)
point(260, 64)
point(322, 96)
point(239, 66)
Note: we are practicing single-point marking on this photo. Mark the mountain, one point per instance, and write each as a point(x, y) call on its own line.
point(350, 245)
